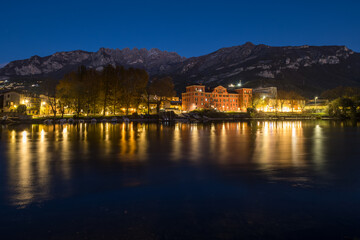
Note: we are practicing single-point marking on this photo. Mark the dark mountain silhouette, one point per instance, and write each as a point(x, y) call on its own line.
point(307, 69)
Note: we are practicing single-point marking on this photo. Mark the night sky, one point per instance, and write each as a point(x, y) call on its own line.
point(191, 28)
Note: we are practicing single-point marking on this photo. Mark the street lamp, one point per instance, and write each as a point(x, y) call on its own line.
point(315, 103)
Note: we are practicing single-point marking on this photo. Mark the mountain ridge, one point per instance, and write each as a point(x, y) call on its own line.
point(309, 69)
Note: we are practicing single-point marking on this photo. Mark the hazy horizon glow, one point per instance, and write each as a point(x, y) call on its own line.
point(190, 28)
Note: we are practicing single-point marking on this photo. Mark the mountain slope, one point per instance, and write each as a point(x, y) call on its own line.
point(308, 69)
point(2, 65)
point(154, 60)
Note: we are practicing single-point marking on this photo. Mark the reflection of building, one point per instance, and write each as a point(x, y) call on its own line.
point(219, 98)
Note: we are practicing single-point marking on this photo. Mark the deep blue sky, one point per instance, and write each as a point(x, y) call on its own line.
point(191, 28)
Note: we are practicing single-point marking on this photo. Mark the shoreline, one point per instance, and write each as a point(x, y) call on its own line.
point(50, 121)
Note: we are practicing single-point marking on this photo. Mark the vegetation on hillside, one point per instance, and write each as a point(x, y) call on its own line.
point(344, 102)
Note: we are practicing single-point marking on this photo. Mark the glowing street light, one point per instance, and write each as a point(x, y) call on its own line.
point(315, 103)
point(43, 103)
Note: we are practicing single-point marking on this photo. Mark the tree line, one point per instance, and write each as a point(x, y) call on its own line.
point(344, 102)
point(282, 96)
point(112, 90)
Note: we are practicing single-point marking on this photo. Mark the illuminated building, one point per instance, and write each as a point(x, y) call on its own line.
point(10, 100)
point(268, 92)
point(268, 100)
point(218, 98)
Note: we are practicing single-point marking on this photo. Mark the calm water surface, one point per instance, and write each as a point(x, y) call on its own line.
point(256, 180)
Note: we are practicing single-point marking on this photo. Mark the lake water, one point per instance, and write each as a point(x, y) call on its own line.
point(250, 180)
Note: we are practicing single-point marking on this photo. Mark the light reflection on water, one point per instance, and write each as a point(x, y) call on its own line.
point(38, 157)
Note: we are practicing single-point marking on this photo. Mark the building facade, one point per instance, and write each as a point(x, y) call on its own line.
point(268, 92)
point(219, 98)
point(10, 100)
point(268, 100)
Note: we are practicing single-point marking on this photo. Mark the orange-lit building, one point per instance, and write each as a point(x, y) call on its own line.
point(218, 98)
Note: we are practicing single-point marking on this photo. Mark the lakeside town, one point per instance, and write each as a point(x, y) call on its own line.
point(116, 91)
point(175, 120)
